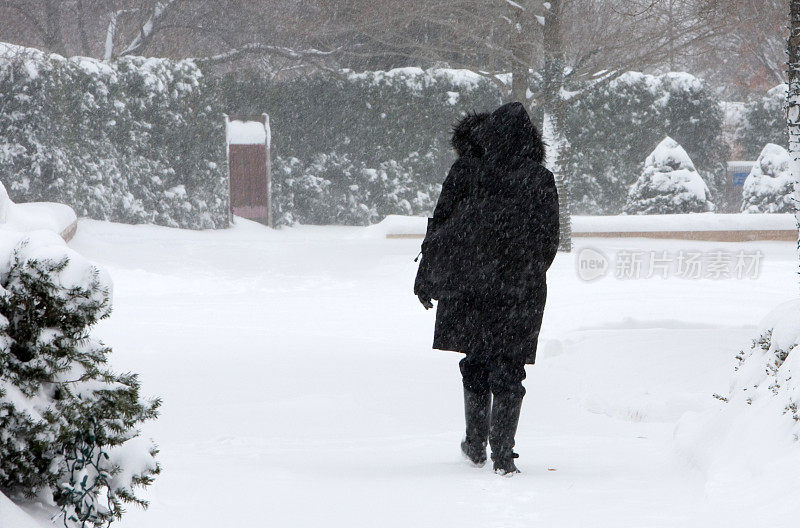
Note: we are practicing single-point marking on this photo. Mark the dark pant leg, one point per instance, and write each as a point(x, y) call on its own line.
point(475, 373)
point(505, 375)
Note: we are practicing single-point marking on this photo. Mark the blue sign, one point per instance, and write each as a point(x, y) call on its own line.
point(739, 178)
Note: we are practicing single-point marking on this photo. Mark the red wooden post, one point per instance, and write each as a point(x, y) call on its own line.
point(249, 167)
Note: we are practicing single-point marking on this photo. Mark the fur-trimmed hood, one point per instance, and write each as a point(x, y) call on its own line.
point(464, 140)
point(505, 133)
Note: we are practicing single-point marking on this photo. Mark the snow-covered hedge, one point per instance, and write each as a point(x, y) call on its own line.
point(764, 121)
point(141, 140)
point(68, 425)
point(328, 130)
point(135, 140)
point(670, 184)
point(611, 129)
point(769, 188)
point(333, 189)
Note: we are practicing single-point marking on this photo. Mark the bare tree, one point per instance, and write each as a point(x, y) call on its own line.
point(216, 31)
point(568, 40)
point(749, 56)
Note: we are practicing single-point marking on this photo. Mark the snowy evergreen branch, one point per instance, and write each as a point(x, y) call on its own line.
point(68, 425)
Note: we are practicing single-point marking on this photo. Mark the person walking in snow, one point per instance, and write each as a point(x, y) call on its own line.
point(492, 238)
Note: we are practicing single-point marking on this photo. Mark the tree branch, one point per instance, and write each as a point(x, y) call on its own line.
point(266, 49)
point(150, 26)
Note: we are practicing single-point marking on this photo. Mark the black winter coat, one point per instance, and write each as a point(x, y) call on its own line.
point(493, 235)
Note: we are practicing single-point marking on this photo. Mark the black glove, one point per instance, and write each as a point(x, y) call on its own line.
point(425, 299)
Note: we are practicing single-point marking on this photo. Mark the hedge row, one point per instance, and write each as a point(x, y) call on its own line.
point(141, 140)
point(610, 131)
point(136, 140)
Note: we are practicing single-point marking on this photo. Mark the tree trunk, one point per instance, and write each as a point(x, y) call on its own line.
point(520, 83)
point(793, 103)
point(551, 106)
point(520, 65)
point(86, 50)
point(52, 37)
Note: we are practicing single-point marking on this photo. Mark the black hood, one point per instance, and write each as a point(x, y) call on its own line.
point(508, 132)
point(465, 135)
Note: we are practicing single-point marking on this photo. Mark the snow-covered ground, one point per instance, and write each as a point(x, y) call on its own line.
point(300, 388)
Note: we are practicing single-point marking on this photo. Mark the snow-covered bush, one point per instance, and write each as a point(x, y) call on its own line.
point(135, 140)
point(397, 123)
point(68, 425)
point(754, 430)
point(670, 184)
point(765, 370)
point(332, 189)
point(769, 188)
point(611, 129)
point(764, 121)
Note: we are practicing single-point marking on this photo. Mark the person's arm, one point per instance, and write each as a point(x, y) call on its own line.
point(547, 216)
point(452, 192)
point(451, 195)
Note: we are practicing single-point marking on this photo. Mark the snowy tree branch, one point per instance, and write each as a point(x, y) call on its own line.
point(111, 31)
point(267, 49)
point(148, 29)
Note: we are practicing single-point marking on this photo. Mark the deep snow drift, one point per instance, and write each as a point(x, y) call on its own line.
point(300, 388)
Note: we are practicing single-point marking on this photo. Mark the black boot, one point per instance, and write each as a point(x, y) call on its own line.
point(505, 417)
point(476, 411)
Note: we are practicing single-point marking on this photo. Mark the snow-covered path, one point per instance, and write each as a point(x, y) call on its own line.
point(300, 389)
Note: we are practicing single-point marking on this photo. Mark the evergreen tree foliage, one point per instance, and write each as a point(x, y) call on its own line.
point(135, 140)
point(371, 130)
point(371, 116)
point(68, 425)
point(610, 129)
point(669, 184)
point(764, 121)
point(769, 187)
point(141, 140)
point(332, 189)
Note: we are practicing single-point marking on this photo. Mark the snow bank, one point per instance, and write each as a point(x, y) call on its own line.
point(683, 222)
point(396, 225)
point(50, 216)
point(57, 218)
point(769, 186)
point(753, 436)
point(12, 516)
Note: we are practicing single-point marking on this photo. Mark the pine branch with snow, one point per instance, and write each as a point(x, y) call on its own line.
point(68, 425)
